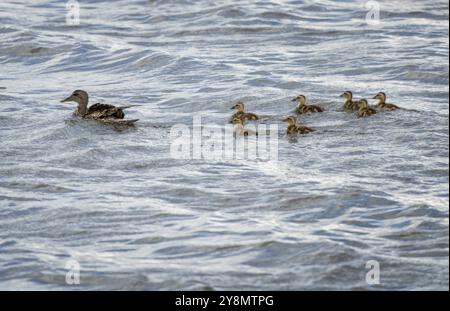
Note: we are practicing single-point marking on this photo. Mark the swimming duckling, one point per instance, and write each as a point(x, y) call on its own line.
point(241, 114)
point(294, 127)
point(239, 129)
point(382, 102)
point(364, 109)
point(349, 103)
point(303, 108)
point(101, 112)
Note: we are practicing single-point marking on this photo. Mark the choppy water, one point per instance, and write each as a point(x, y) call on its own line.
point(355, 190)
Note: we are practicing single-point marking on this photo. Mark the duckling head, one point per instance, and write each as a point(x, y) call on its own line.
point(363, 104)
point(348, 95)
point(300, 99)
point(238, 107)
point(290, 120)
point(78, 96)
point(381, 97)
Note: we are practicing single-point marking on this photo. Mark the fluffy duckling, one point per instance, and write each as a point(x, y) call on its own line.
point(239, 129)
point(294, 127)
point(303, 108)
point(364, 109)
point(101, 112)
point(241, 114)
point(349, 104)
point(382, 102)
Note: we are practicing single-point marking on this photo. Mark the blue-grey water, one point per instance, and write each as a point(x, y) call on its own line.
point(136, 219)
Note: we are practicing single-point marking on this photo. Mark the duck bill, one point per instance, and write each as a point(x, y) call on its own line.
point(68, 99)
point(342, 95)
point(375, 97)
point(294, 100)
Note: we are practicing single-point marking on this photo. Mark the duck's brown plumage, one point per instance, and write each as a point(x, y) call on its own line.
point(364, 109)
point(382, 102)
point(388, 106)
point(101, 112)
point(308, 109)
point(299, 129)
point(350, 105)
point(245, 116)
point(241, 114)
point(295, 128)
point(303, 108)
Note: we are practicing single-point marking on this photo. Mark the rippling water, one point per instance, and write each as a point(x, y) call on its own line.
point(353, 191)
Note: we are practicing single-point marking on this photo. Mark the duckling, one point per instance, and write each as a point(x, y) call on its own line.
point(303, 108)
point(241, 114)
point(294, 127)
point(364, 109)
point(101, 112)
point(239, 129)
point(350, 104)
point(382, 102)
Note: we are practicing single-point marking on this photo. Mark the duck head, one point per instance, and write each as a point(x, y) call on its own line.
point(381, 97)
point(239, 107)
point(300, 99)
point(290, 120)
point(347, 95)
point(78, 96)
point(81, 98)
point(363, 104)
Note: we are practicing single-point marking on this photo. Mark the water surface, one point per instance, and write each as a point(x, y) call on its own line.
point(136, 219)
